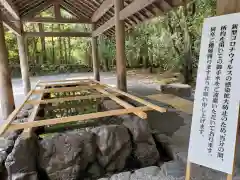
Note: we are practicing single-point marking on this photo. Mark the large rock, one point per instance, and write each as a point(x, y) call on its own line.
point(114, 146)
point(65, 155)
point(95, 170)
point(144, 147)
point(182, 90)
point(149, 173)
point(121, 176)
point(6, 145)
point(174, 169)
point(145, 151)
point(21, 162)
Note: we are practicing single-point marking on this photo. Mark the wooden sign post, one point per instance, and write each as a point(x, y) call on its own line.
point(216, 106)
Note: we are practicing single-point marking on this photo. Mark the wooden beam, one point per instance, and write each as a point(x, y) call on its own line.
point(67, 80)
point(64, 99)
point(135, 98)
point(28, 131)
point(95, 57)
point(57, 21)
point(128, 11)
point(122, 103)
point(11, 8)
point(134, 7)
point(120, 46)
point(13, 115)
point(11, 26)
point(74, 11)
point(107, 25)
point(105, 6)
point(57, 34)
point(38, 9)
point(64, 89)
point(83, 117)
point(65, 84)
point(57, 11)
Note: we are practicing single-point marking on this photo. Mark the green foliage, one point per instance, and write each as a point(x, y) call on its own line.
point(168, 42)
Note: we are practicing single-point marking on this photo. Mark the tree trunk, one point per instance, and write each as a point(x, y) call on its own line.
point(60, 46)
point(44, 56)
point(69, 49)
point(53, 48)
point(188, 61)
point(88, 56)
point(34, 54)
point(65, 51)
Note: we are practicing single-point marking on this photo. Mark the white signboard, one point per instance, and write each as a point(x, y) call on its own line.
point(216, 105)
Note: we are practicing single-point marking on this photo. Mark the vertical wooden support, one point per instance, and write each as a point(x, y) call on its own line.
point(227, 7)
point(120, 46)
point(24, 63)
point(6, 92)
point(57, 10)
point(223, 7)
point(95, 57)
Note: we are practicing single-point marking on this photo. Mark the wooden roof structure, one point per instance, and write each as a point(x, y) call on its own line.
point(109, 17)
point(99, 12)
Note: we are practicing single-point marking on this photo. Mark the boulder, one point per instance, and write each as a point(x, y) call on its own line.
point(182, 90)
point(95, 170)
point(21, 162)
point(121, 176)
point(144, 147)
point(151, 173)
point(6, 145)
point(174, 169)
point(114, 146)
point(64, 155)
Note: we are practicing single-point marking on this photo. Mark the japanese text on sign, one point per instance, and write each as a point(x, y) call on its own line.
point(216, 105)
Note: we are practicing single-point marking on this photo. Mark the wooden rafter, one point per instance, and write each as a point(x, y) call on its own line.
point(11, 26)
point(10, 7)
point(54, 20)
point(105, 6)
point(100, 12)
point(74, 11)
point(38, 9)
point(134, 7)
point(131, 9)
point(57, 34)
point(57, 10)
point(107, 25)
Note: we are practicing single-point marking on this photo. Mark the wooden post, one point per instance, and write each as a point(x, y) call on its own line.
point(227, 7)
point(6, 92)
point(95, 57)
point(24, 63)
point(120, 46)
point(223, 7)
